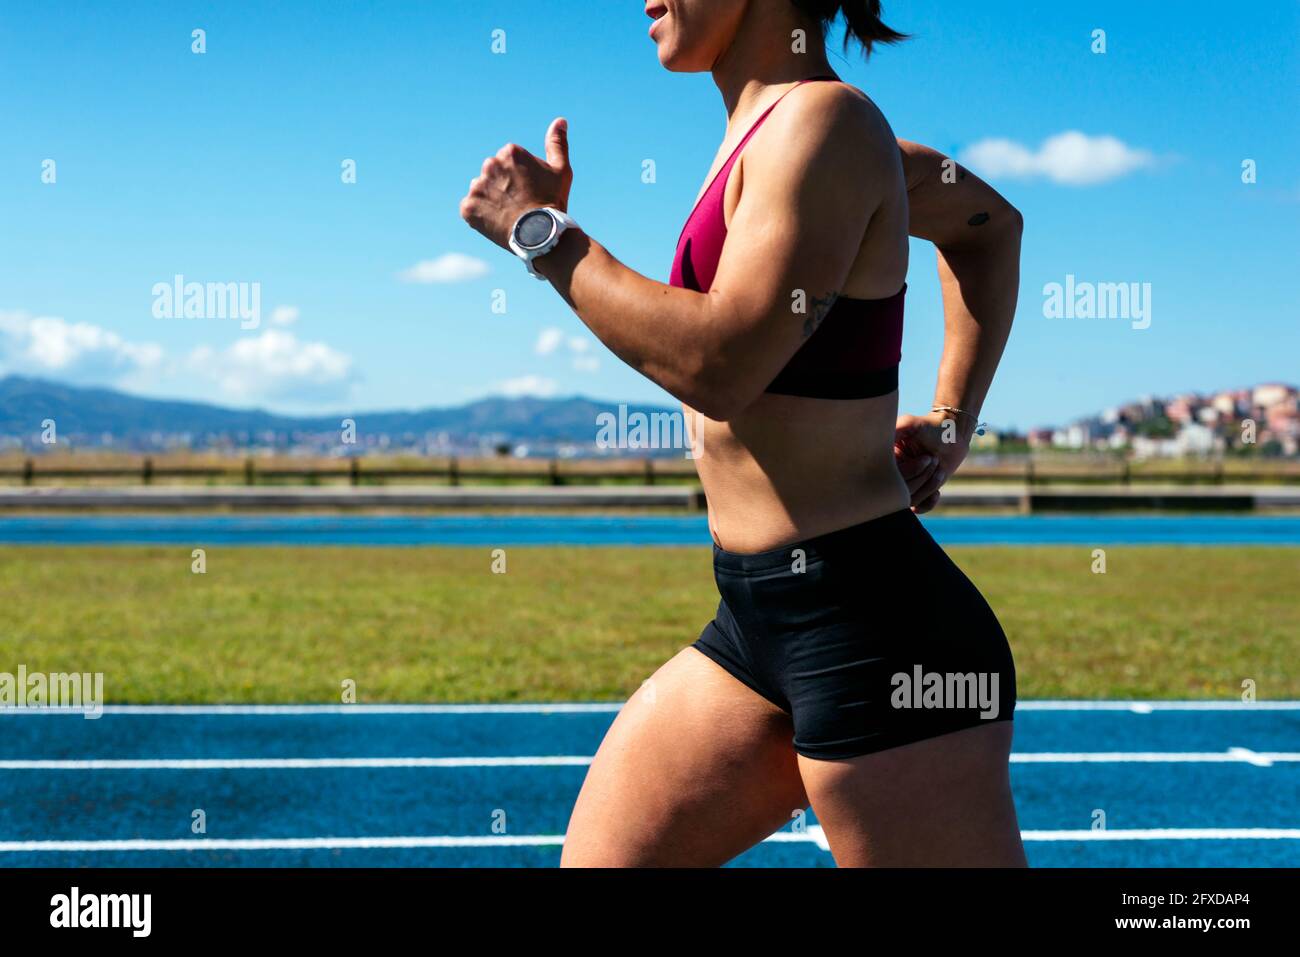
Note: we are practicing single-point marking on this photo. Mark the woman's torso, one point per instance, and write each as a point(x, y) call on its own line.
point(790, 467)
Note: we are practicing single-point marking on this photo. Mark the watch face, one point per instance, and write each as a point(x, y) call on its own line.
point(534, 229)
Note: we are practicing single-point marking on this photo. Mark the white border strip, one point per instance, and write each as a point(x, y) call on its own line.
point(1139, 707)
point(1262, 759)
point(812, 835)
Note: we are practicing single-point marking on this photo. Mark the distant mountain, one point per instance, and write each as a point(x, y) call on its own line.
point(106, 416)
point(24, 403)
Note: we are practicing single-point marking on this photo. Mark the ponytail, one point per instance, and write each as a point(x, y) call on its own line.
point(862, 21)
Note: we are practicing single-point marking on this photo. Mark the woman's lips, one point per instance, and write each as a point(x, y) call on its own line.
point(656, 12)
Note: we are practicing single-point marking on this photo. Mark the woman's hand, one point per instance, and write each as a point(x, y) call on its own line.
point(515, 181)
point(928, 450)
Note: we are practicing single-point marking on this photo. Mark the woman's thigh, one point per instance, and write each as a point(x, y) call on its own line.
point(941, 802)
point(695, 769)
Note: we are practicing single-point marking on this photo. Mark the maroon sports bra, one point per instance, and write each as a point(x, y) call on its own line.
point(853, 354)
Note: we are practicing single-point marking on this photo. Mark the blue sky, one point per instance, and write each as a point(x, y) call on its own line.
point(225, 167)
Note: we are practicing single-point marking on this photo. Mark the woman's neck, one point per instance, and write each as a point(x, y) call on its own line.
point(764, 53)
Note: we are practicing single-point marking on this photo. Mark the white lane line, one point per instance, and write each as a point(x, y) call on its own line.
point(1231, 756)
point(1146, 707)
point(812, 835)
point(1171, 834)
point(1261, 759)
point(285, 843)
point(244, 764)
point(1136, 707)
point(324, 709)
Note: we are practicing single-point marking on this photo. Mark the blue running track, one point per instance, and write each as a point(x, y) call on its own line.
point(1180, 785)
point(514, 530)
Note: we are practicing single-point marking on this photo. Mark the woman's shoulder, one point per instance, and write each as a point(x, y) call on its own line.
point(836, 116)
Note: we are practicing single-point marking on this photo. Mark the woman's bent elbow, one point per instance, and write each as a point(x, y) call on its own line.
point(1016, 220)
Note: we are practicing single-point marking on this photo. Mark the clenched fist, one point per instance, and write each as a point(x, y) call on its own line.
point(928, 450)
point(515, 181)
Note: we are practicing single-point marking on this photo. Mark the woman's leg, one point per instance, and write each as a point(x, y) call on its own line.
point(695, 769)
point(941, 802)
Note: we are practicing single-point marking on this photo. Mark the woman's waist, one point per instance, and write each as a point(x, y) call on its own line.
point(751, 510)
point(790, 468)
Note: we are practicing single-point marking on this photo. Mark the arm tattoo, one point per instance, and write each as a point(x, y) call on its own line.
point(820, 307)
point(979, 219)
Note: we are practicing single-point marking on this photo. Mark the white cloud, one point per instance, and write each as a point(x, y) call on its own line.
point(272, 365)
point(533, 385)
point(275, 365)
point(74, 350)
point(583, 361)
point(1071, 158)
point(548, 341)
point(452, 267)
point(284, 315)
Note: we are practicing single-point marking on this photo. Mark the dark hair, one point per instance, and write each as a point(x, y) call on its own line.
point(862, 21)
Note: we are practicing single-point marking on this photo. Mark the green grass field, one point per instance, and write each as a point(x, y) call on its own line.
point(435, 624)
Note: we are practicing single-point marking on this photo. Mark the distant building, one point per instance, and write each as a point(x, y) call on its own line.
point(1225, 403)
point(1181, 408)
point(1271, 394)
point(1192, 440)
point(1077, 436)
point(1039, 438)
point(1195, 439)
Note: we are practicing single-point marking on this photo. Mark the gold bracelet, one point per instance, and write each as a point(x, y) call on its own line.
point(980, 427)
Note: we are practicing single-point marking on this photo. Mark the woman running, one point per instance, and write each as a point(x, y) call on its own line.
point(851, 666)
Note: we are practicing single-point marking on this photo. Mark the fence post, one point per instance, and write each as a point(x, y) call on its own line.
point(29, 471)
point(649, 471)
point(146, 471)
point(453, 471)
point(554, 472)
point(250, 473)
point(354, 470)
point(1125, 475)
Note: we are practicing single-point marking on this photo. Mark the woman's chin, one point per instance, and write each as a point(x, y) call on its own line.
point(676, 61)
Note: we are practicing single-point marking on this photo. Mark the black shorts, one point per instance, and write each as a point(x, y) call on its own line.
point(869, 637)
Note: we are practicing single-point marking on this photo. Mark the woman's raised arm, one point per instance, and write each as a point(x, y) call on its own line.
point(976, 233)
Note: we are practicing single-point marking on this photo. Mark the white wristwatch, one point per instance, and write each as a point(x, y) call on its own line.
point(536, 233)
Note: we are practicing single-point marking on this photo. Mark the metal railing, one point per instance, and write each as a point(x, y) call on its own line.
point(648, 471)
